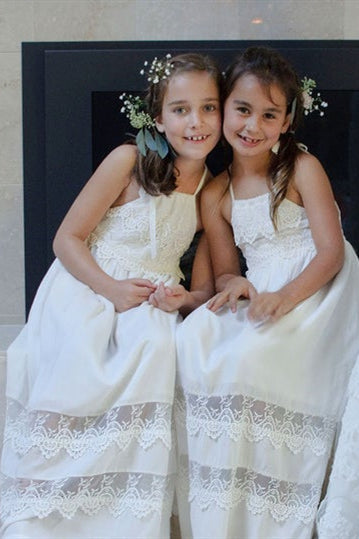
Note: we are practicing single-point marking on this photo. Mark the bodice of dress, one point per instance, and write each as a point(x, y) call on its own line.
point(257, 238)
point(148, 235)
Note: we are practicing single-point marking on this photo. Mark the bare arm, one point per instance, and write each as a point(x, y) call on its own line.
point(216, 215)
point(104, 187)
point(313, 187)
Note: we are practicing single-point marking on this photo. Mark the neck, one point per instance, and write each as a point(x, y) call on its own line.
point(248, 166)
point(190, 173)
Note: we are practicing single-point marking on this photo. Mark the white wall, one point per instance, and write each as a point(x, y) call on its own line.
point(91, 20)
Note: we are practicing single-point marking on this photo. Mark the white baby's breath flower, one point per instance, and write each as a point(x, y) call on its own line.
point(158, 70)
point(311, 102)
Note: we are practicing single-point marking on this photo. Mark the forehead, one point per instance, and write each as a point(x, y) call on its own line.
point(251, 89)
point(190, 85)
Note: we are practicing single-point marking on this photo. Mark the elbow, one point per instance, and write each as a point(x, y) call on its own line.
point(59, 243)
point(336, 257)
point(56, 245)
point(339, 260)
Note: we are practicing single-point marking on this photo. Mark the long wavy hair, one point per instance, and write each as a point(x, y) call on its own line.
point(158, 175)
point(270, 67)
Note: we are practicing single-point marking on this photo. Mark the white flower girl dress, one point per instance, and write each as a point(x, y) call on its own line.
point(88, 450)
point(257, 407)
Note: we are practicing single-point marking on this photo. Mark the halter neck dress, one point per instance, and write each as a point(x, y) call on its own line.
point(88, 449)
point(257, 407)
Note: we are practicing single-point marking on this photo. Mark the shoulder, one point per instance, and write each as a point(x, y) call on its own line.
point(125, 155)
point(308, 171)
point(216, 187)
point(308, 165)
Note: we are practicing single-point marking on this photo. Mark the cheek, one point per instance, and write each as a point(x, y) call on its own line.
point(229, 124)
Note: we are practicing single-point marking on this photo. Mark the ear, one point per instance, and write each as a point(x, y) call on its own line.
point(159, 124)
point(286, 124)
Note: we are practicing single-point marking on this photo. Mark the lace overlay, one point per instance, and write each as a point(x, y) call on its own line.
point(256, 237)
point(125, 235)
point(140, 494)
point(236, 416)
point(226, 488)
point(250, 218)
point(50, 433)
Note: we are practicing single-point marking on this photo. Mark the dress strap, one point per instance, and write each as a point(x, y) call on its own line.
point(152, 223)
point(201, 181)
point(231, 190)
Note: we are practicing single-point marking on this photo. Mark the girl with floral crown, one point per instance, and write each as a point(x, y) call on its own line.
point(263, 366)
point(88, 449)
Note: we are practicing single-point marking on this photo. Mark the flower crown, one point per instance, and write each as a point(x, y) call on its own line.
point(148, 137)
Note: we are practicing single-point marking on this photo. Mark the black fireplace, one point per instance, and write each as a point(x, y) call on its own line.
point(72, 119)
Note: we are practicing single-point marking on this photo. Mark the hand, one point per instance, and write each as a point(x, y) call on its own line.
point(168, 298)
point(234, 289)
point(130, 293)
point(269, 306)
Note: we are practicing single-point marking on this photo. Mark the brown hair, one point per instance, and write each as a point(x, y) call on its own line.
point(158, 175)
point(270, 67)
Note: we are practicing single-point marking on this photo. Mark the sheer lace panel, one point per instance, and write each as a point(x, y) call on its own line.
point(226, 488)
point(50, 432)
point(234, 416)
point(140, 494)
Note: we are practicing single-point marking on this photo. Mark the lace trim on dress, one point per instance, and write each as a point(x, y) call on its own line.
point(235, 416)
point(226, 488)
point(124, 257)
point(140, 494)
point(250, 219)
point(50, 432)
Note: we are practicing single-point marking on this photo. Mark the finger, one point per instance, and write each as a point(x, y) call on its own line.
point(252, 292)
point(232, 301)
point(143, 293)
point(177, 289)
point(152, 300)
point(216, 302)
point(145, 282)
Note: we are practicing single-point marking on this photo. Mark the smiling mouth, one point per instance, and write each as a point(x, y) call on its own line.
point(198, 138)
point(250, 140)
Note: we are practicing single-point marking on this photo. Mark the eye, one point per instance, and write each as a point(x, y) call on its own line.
point(243, 110)
point(210, 107)
point(269, 116)
point(179, 110)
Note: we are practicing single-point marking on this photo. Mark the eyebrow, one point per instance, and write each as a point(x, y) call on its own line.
point(183, 101)
point(245, 103)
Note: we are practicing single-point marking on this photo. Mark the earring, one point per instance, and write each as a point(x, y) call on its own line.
point(275, 148)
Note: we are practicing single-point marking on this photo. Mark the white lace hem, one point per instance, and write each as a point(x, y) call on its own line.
point(50, 432)
point(139, 494)
point(236, 416)
point(208, 487)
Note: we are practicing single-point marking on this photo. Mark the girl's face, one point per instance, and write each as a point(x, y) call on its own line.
point(254, 116)
point(191, 117)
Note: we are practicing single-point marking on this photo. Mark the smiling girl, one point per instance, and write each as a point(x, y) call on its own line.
point(263, 367)
point(89, 450)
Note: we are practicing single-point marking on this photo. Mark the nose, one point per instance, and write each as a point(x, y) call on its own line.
point(195, 118)
point(253, 122)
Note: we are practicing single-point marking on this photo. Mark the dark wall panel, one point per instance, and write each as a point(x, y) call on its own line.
point(69, 88)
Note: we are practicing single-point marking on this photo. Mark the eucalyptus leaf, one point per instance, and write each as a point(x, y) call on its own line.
point(150, 141)
point(162, 146)
point(140, 141)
